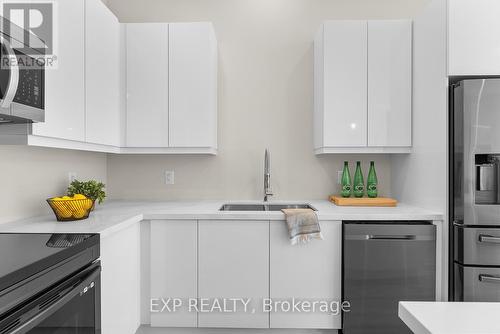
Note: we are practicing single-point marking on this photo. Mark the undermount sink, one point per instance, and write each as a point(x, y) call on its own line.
point(279, 207)
point(264, 207)
point(243, 207)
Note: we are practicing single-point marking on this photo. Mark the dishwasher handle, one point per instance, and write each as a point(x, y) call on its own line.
point(392, 237)
point(389, 237)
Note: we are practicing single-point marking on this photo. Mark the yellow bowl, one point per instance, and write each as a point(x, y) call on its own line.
point(71, 209)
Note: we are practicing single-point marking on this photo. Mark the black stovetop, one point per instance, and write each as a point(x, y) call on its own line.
point(23, 255)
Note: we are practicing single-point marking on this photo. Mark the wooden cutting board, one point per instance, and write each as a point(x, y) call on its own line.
point(363, 201)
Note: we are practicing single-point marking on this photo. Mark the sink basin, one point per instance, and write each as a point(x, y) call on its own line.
point(279, 207)
point(243, 207)
point(263, 207)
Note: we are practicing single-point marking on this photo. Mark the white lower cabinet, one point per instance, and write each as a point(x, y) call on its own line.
point(307, 272)
point(174, 270)
point(233, 262)
point(120, 281)
point(240, 262)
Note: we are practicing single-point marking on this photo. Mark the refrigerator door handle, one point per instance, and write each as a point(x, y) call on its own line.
point(489, 239)
point(489, 279)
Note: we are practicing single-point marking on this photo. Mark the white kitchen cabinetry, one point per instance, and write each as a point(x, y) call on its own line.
point(473, 38)
point(120, 281)
point(174, 269)
point(102, 75)
point(172, 101)
point(362, 93)
point(147, 85)
point(307, 272)
point(340, 52)
point(164, 75)
point(65, 84)
point(193, 85)
point(389, 83)
point(233, 262)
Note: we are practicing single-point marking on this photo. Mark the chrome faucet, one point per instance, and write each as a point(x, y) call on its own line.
point(267, 176)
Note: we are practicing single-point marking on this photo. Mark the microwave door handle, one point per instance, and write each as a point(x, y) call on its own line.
point(14, 75)
point(68, 295)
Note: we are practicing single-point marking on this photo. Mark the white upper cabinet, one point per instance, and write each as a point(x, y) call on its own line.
point(340, 84)
point(389, 83)
point(139, 88)
point(193, 85)
point(172, 101)
point(362, 87)
point(102, 74)
point(65, 84)
point(473, 38)
point(147, 85)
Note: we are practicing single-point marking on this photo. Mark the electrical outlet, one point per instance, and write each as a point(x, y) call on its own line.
point(169, 177)
point(71, 176)
point(339, 176)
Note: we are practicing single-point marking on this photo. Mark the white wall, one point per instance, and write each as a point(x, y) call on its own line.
point(29, 175)
point(265, 100)
point(421, 178)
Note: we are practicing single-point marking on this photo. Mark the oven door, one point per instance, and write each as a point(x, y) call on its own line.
point(72, 306)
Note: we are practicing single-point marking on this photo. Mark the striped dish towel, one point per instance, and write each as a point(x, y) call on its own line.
point(303, 225)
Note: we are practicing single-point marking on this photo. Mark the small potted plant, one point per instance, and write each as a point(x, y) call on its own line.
point(91, 189)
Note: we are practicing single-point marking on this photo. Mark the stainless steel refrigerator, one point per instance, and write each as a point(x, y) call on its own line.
point(474, 190)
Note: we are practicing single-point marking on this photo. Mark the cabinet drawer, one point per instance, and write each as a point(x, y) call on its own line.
point(479, 284)
point(477, 246)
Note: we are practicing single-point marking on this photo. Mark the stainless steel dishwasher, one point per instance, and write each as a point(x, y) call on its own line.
point(384, 263)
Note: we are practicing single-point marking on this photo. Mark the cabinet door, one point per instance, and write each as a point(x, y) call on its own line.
point(120, 281)
point(65, 84)
point(308, 272)
point(174, 269)
point(389, 83)
point(193, 85)
point(233, 262)
point(147, 85)
point(473, 38)
point(102, 78)
point(345, 81)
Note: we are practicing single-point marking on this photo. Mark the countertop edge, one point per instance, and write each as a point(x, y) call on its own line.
point(410, 320)
point(118, 215)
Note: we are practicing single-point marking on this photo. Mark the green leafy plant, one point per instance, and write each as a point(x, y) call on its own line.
point(91, 189)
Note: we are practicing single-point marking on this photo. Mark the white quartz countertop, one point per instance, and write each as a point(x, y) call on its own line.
point(450, 317)
point(116, 215)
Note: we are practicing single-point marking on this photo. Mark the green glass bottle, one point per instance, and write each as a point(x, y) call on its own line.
point(346, 181)
point(372, 182)
point(359, 184)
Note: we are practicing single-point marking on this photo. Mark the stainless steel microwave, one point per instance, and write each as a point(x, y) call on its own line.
point(22, 76)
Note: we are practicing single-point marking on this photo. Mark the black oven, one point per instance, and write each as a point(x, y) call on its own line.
point(63, 298)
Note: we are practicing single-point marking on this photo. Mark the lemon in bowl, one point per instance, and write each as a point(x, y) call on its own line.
point(68, 208)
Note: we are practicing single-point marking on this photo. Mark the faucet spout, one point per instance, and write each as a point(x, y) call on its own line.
point(267, 176)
